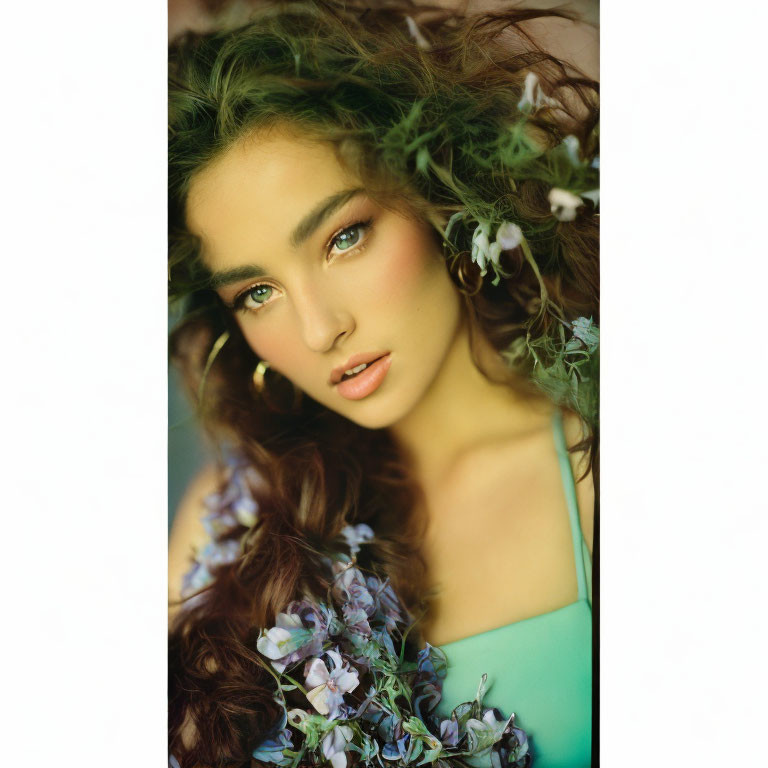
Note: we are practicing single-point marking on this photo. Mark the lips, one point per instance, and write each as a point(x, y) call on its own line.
point(367, 381)
point(355, 361)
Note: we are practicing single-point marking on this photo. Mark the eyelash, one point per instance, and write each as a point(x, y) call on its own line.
point(364, 226)
point(239, 301)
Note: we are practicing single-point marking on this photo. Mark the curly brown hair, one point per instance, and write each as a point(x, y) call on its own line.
point(436, 137)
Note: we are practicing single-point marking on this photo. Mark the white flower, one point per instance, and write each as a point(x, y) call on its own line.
point(481, 247)
point(485, 252)
point(498, 726)
point(509, 236)
point(533, 96)
point(494, 252)
point(356, 535)
point(327, 688)
point(421, 41)
point(334, 744)
point(571, 144)
point(283, 639)
point(271, 643)
point(563, 204)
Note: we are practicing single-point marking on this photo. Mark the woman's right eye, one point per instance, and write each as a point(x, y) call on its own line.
point(255, 298)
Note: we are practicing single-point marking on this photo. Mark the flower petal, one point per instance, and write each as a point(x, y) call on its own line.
point(563, 204)
point(415, 33)
point(509, 235)
point(328, 744)
point(348, 681)
point(316, 673)
point(318, 698)
point(494, 252)
point(289, 620)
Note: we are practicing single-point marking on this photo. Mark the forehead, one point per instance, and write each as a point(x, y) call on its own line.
point(259, 188)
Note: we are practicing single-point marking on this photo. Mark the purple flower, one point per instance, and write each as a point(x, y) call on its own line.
point(356, 619)
point(211, 556)
point(512, 750)
point(357, 625)
point(350, 587)
point(388, 607)
point(271, 750)
point(449, 732)
point(299, 632)
point(335, 743)
point(328, 687)
point(234, 504)
point(356, 535)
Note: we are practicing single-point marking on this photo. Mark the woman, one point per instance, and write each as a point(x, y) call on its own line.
point(385, 221)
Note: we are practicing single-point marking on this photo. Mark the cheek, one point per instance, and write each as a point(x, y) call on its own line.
point(414, 269)
point(270, 346)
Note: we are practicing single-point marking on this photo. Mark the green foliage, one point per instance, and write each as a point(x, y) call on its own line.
point(444, 124)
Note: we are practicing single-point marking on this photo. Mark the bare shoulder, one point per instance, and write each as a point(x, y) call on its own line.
point(188, 534)
point(585, 487)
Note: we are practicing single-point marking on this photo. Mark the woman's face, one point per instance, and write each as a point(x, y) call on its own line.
point(322, 279)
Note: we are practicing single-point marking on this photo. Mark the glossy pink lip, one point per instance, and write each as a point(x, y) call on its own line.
point(366, 382)
point(367, 357)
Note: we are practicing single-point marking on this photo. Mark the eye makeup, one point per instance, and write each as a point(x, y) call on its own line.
point(363, 228)
point(239, 302)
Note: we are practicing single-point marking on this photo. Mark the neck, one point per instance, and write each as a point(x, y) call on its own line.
point(463, 410)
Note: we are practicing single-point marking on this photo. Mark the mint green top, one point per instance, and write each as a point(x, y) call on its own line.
point(539, 668)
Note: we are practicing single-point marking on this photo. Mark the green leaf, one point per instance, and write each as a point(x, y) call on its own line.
point(422, 160)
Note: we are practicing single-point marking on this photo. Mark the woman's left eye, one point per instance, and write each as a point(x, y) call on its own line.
point(349, 237)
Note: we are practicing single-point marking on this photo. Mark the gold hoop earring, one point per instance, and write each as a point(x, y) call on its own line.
point(258, 376)
point(262, 389)
point(464, 285)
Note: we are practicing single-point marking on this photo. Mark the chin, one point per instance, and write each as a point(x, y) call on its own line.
point(371, 420)
point(373, 415)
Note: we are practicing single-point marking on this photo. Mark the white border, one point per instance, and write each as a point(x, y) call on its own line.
point(83, 383)
point(684, 507)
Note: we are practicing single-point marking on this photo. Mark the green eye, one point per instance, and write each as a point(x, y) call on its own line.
point(260, 294)
point(255, 298)
point(347, 238)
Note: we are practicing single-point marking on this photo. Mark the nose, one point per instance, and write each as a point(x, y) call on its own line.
point(323, 322)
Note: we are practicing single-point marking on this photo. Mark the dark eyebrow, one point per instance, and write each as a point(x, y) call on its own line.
point(228, 276)
point(303, 230)
point(319, 214)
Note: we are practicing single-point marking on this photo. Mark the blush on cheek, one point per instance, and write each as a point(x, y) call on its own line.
point(411, 261)
point(284, 353)
point(262, 346)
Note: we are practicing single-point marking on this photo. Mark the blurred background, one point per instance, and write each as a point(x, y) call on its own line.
point(187, 449)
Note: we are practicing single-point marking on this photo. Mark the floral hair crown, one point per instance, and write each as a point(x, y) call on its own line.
point(564, 366)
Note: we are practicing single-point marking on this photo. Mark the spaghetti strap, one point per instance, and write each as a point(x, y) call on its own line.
point(569, 486)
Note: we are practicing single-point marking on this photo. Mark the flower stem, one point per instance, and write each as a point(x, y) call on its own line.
point(296, 683)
